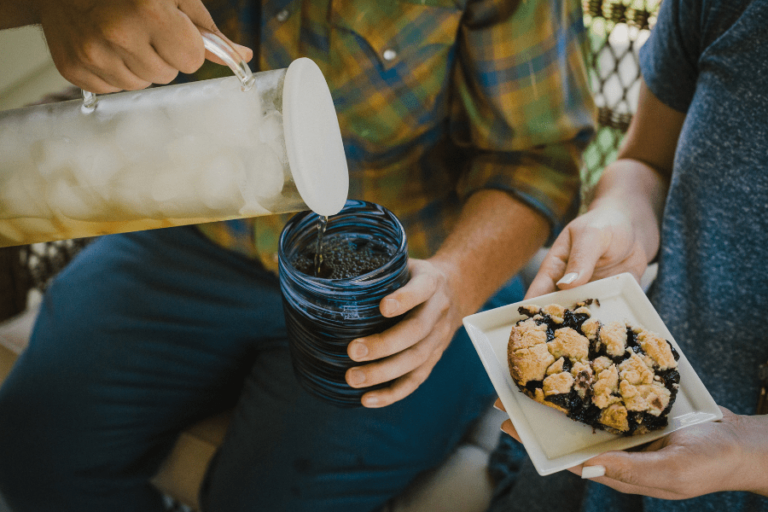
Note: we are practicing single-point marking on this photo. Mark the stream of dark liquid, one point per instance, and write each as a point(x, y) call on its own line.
point(322, 225)
point(342, 255)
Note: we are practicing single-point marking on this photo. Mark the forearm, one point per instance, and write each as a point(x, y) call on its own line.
point(636, 190)
point(496, 235)
point(16, 13)
point(636, 184)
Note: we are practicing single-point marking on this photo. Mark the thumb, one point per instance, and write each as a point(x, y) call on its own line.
point(641, 469)
point(571, 260)
point(552, 267)
point(587, 246)
point(199, 15)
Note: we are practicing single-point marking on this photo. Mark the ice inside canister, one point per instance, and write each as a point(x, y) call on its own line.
point(170, 156)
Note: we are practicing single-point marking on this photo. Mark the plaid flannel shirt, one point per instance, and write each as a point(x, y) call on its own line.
point(436, 99)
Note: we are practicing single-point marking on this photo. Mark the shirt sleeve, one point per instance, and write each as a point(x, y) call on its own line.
point(669, 59)
point(522, 103)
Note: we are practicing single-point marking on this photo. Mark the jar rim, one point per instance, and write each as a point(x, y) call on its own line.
point(369, 279)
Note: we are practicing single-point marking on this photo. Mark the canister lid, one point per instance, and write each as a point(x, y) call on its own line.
point(313, 139)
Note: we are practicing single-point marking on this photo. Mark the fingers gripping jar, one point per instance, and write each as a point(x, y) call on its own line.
point(326, 310)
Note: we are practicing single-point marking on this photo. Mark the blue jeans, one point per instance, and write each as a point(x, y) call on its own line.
point(146, 333)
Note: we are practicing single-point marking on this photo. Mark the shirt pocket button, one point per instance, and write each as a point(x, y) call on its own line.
point(283, 15)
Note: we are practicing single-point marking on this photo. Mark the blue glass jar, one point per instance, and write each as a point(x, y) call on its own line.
point(324, 314)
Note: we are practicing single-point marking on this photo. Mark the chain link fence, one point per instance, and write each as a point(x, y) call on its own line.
point(617, 30)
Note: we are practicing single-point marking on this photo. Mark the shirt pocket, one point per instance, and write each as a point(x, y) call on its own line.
point(390, 65)
point(396, 30)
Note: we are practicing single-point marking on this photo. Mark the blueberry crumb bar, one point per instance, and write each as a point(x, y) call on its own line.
point(613, 377)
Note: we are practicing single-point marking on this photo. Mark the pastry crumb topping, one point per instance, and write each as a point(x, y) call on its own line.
point(569, 343)
point(615, 417)
point(590, 328)
point(555, 312)
point(606, 386)
point(583, 378)
point(601, 363)
point(658, 349)
point(527, 334)
point(614, 337)
point(530, 363)
point(651, 398)
point(635, 371)
point(582, 310)
point(558, 384)
point(556, 367)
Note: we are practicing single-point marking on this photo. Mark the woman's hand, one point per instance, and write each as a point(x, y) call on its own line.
point(726, 455)
point(621, 231)
point(601, 243)
point(118, 45)
point(406, 353)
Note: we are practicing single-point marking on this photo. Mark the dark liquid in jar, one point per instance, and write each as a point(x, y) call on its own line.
point(343, 256)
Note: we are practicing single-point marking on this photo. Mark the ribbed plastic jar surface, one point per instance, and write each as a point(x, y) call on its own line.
point(324, 315)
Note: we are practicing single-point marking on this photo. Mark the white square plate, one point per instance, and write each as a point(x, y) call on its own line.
point(553, 441)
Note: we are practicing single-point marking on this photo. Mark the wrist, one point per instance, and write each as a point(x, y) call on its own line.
point(753, 430)
point(635, 214)
point(495, 236)
point(35, 9)
point(637, 190)
point(462, 299)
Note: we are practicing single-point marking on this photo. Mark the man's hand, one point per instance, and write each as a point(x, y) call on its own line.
point(598, 244)
point(494, 237)
point(407, 352)
point(125, 44)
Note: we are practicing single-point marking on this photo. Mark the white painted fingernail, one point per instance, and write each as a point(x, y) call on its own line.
point(568, 278)
point(592, 471)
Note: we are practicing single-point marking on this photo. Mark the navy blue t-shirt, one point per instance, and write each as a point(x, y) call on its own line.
point(708, 59)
